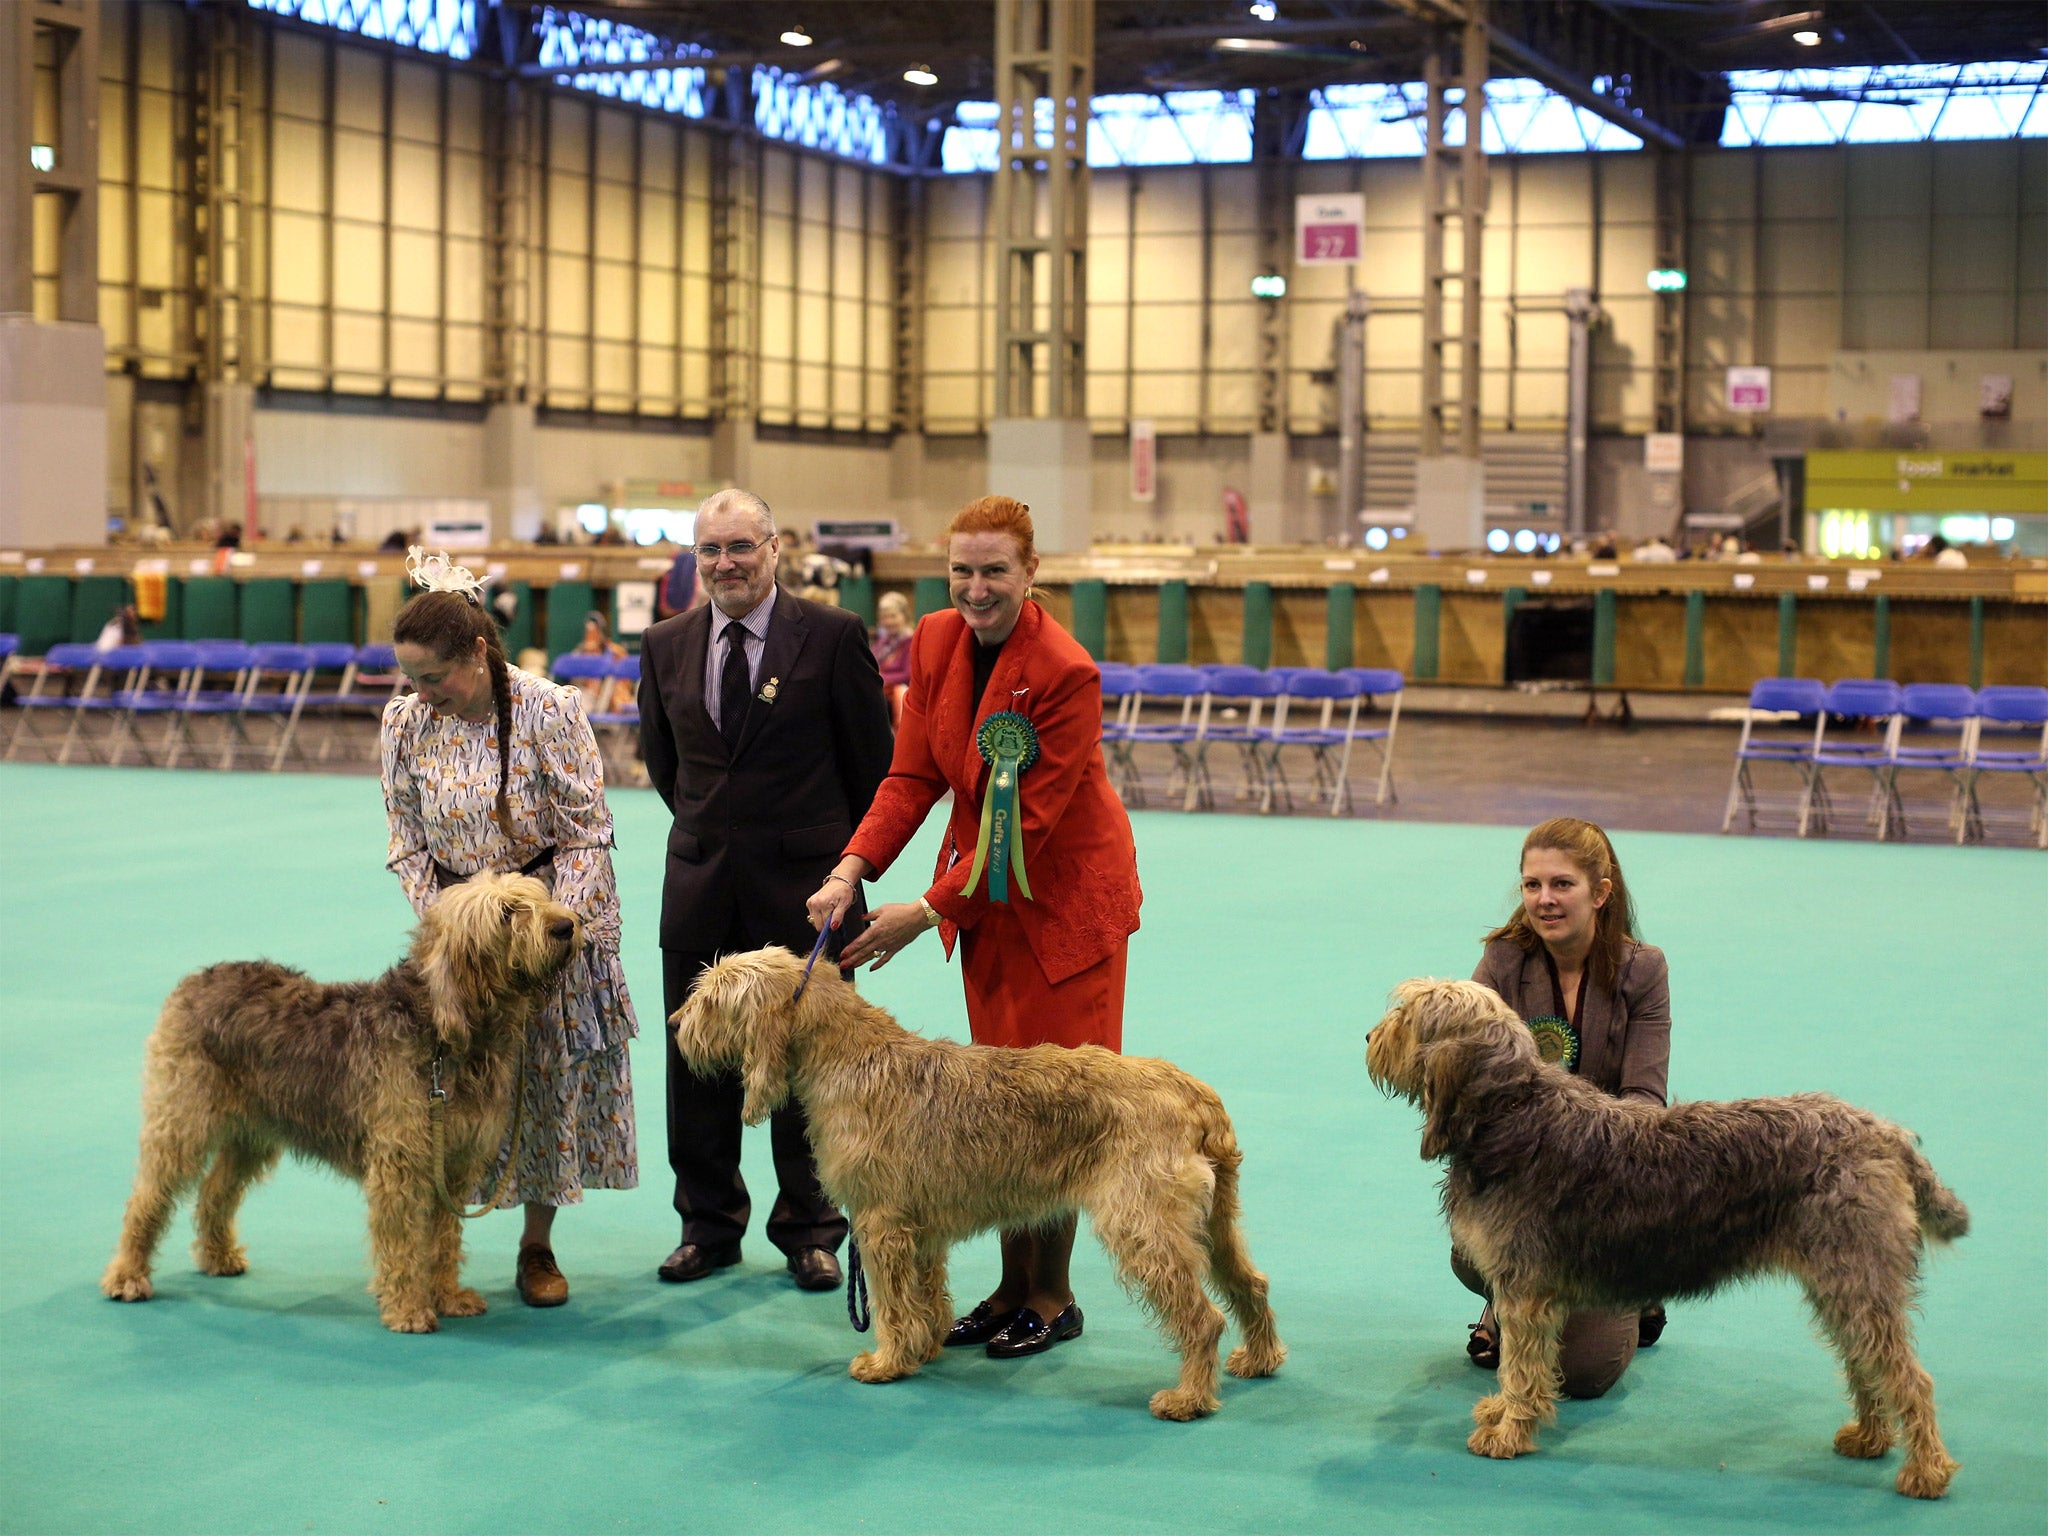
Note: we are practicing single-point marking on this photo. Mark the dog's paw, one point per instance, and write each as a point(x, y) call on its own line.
point(1863, 1439)
point(1178, 1405)
point(126, 1284)
point(1501, 1437)
point(872, 1368)
point(1489, 1411)
point(1246, 1361)
point(1927, 1479)
point(410, 1319)
point(221, 1261)
point(462, 1302)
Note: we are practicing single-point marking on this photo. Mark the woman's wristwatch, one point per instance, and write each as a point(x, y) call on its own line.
point(931, 914)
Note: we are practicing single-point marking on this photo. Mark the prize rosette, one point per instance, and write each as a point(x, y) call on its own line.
point(1008, 744)
point(1556, 1041)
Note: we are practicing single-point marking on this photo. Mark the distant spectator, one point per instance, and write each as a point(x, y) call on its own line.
point(890, 641)
point(124, 628)
point(1946, 555)
point(1654, 551)
point(229, 537)
point(1605, 548)
point(679, 591)
point(395, 542)
point(602, 696)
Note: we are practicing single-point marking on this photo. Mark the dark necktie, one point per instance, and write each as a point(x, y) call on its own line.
point(733, 687)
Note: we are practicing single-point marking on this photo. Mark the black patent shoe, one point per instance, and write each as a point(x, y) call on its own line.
point(1649, 1327)
point(1029, 1334)
point(1483, 1347)
point(980, 1325)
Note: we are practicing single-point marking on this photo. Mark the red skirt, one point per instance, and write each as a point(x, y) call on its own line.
point(1009, 1001)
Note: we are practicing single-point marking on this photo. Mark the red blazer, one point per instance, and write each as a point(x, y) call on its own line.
point(1078, 850)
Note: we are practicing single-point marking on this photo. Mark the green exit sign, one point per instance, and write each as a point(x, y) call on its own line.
point(1667, 280)
point(1269, 285)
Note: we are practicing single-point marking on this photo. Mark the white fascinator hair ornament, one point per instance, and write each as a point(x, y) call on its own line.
point(437, 573)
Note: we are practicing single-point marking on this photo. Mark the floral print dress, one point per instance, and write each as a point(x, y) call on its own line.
point(440, 785)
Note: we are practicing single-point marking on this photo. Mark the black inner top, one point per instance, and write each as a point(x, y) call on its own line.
point(985, 657)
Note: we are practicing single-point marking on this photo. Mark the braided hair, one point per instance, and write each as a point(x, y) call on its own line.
point(450, 624)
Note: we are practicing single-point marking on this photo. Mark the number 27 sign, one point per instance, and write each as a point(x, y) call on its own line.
point(1329, 228)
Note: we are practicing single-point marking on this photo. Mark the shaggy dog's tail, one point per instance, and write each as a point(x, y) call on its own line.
point(1943, 1217)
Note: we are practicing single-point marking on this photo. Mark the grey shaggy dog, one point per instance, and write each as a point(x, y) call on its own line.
point(1565, 1198)
point(250, 1060)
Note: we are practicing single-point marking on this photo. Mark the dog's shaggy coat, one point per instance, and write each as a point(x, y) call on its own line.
point(1566, 1198)
point(250, 1060)
point(927, 1142)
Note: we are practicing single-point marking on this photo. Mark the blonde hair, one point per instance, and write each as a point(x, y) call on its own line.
point(1592, 854)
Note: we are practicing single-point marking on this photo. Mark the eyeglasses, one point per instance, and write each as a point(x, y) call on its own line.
point(738, 550)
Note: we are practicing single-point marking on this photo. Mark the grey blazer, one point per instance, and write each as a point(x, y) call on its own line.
point(1624, 1032)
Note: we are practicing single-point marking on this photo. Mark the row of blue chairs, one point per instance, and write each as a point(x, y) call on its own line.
point(236, 690)
point(616, 720)
point(1261, 715)
point(1885, 729)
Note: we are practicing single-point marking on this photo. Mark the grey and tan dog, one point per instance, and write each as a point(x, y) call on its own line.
point(249, 1060)
point(1566, 1198)
point(927, 1142)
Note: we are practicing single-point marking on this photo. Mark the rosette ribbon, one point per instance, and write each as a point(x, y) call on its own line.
point(1557, 1041)
point(1008, 744)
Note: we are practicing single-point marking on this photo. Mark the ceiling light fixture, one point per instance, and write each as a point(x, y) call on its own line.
point(797, 37)
point(1807, 39)
point(1249, 44)
point(1264, 10)
point(917, 74)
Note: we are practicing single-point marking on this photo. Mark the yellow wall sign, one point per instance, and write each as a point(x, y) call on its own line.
point(1928, 482)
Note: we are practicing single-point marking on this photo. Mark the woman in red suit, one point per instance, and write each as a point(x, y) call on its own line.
point(1042, 941)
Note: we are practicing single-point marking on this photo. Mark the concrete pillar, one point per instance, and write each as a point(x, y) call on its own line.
point(1266, 499)
point(512, 470)
point(53, 433)
point(230, 449)
point(1046, 464)
point(906, 481)
point(1450, 503)
point(732, 451)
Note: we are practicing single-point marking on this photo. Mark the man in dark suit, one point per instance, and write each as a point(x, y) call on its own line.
point(764, 728)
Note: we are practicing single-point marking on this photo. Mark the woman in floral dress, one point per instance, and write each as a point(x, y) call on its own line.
point(490, 768)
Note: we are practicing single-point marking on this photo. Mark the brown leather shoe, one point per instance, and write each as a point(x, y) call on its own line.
point(540, 1282)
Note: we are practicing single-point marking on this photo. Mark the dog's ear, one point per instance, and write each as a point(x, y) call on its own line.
point(1444, 1068)
point(460, 946)
point(764, 1012)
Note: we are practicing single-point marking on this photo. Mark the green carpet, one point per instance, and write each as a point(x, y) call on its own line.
point(1906, 979)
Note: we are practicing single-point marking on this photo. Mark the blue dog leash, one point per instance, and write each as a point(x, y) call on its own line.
point(857, 1312)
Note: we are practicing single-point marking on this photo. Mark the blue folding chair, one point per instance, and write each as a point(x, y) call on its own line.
point(1329, 740)
point(1120, 696)
point(335, 659)
point(114, 670)
point(280, 677)
point(1771, 699)
point(1166, 680)
point(1375, 683)
point(214, 693)
point(167, 675)
point(1235, 700)
point(50, 696)
point(1942, 716)
point(2013, 711)
point(1853, 699)
point(618, 723)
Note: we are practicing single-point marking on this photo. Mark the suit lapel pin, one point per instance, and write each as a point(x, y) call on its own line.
point(767, 693)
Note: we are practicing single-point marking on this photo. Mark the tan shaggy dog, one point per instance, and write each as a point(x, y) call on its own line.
point(1565, 1198)
point(250, 1060)
point(927, 1142)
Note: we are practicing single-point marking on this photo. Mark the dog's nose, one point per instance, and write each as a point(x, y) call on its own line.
point(563, 928)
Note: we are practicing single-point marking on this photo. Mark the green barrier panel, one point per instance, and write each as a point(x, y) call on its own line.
point(94, 600)
point(1091, 616)
point(932, 595)
point(1695, 638)
point(857, 596)
point(1976, 642)
point(1343, 603)
point(1788, 634)
point(266, 612)
point(518, 635)
point(1603, 638)
point(1429, 602)
point(1258, 624)
point(9, 587)
point(327, 613)
point(568, 603)
point(1173, 622)
point(209, 609)
point(1510, 600)
point(42, 613)
point(169, 626)
point(1881, 637)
